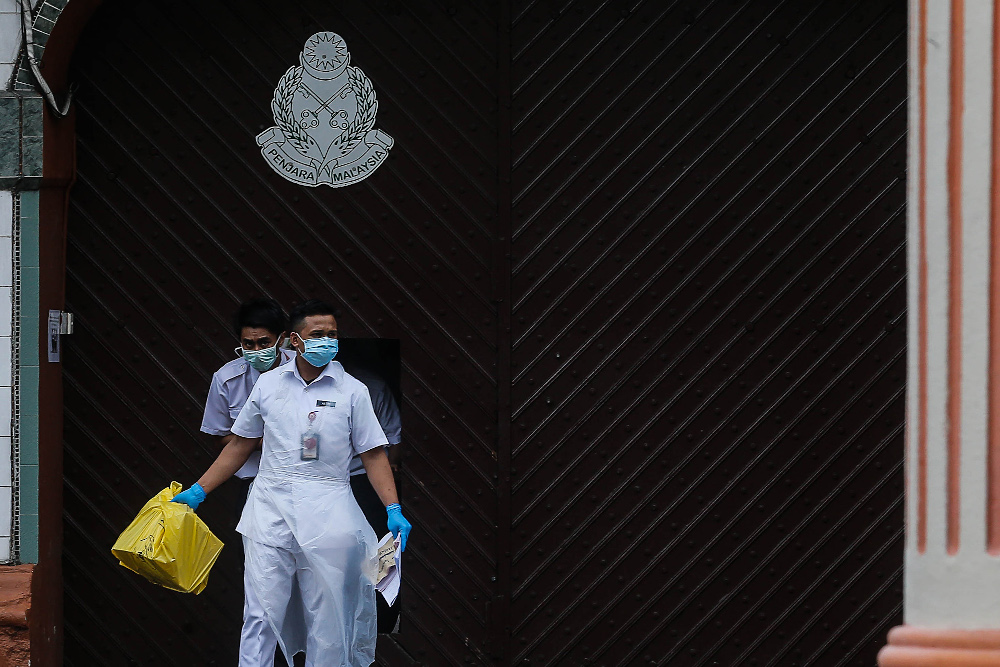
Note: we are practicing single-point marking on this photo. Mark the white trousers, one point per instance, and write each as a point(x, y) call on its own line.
point(257, 639)
point(291, 579)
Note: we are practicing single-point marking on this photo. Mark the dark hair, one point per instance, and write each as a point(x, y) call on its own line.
point(263, 313)
point(306, 309)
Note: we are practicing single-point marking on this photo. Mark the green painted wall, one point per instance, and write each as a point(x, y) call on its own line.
point(28, 377)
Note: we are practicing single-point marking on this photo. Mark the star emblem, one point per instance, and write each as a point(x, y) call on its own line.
point(326, 52)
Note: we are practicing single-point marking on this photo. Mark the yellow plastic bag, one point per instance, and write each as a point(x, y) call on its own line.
point(169, 545)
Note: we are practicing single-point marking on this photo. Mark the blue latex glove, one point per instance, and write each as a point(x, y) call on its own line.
point(192, 496)
point(398, 525)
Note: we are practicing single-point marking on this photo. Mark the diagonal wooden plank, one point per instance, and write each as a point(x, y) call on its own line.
point(847, 516)
point(159, 154)
point(719, 318)
point(196, 187)
point(730, 483)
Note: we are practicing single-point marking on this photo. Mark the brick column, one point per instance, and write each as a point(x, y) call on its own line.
point(952, 588)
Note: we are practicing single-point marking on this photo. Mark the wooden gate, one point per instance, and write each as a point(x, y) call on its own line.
point(645, 264)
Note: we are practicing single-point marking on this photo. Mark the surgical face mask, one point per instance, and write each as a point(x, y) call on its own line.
point(260, 360)
point(319, 351)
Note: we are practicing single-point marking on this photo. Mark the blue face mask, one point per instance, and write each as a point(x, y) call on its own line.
point(260, 360)
point(319, 351)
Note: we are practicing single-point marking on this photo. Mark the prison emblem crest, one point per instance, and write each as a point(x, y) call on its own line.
point(324, 114)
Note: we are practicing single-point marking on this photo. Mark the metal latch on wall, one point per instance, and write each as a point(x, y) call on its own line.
point(60, 324)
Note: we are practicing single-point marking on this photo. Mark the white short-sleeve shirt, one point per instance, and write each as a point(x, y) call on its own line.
point(230, 388)
point(386, 410)
point(279, 409)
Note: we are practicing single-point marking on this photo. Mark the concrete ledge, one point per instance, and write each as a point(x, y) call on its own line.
point(15, 595)
point(15, 610)
point(14, 647)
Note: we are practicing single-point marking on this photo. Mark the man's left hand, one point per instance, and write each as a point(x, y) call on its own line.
point(398, 525)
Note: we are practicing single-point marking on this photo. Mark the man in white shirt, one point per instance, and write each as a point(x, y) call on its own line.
point(301, 523)
point(387, 412)
point(260, 325)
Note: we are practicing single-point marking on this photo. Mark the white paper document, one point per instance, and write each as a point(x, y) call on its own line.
point(390, 568)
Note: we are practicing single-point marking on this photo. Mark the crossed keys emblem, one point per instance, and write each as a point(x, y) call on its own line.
point(310, 117)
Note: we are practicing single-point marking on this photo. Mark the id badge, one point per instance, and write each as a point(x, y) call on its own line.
point(310, 440)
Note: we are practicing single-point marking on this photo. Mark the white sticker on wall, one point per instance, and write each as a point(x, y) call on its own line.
point(324, 110)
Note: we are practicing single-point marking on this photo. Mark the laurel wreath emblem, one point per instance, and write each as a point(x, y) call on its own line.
point(281, 106)
point(364, 120)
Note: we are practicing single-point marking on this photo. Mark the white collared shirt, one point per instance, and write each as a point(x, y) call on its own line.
point(278, 410)
point(230, 388)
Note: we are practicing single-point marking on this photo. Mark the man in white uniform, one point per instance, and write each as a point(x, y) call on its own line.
point(260, 325)
point(301, 523)
point(387, 412)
